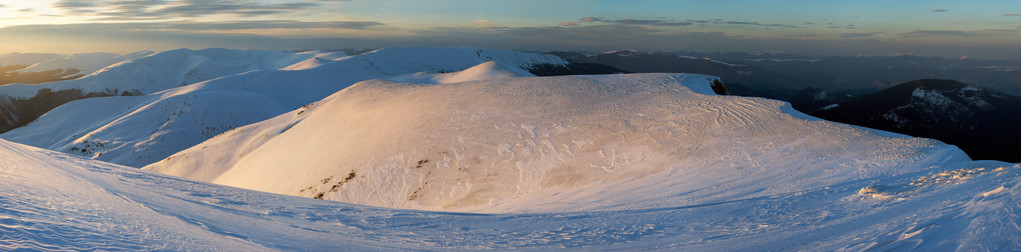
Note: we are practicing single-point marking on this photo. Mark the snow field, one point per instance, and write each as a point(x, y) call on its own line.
point(460, 148)
point(552, 144)
point(54, 201)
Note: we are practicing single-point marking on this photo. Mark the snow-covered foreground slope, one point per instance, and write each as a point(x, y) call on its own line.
point(165, 70)
point(549, 144)
point(53, 201)
point(139, 130)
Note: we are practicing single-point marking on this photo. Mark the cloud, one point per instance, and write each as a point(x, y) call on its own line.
point(164, 9)
point(279, 24)
point(655, 22)
point(26, 10)
point(706, 21)
point(3, 6)
point(135, 36)
point(757, 24)
point(1011, 15)
point(651, 22)
point(954, 33)
point(74, 4)
point(485, 23)
point(919, 33)
point(859, 35)
point(88, 29)
point(848, 27)
point(940, 10)
point(571, 23)
point(738, 23)
point(672, 22)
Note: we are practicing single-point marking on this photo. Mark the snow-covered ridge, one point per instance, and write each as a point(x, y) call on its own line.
point(785, 60)
point(167, 69)
point(136, 131)
point(724, 63)
point(9, 59)
point(619, 162)
point(320, 59)
point(86, 63)
point(448, 59)
point(517, 144)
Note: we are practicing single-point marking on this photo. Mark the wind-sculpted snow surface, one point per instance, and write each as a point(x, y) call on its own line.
point(53, 201)
point(546, 144)
point(614, 162)
point(137, 131)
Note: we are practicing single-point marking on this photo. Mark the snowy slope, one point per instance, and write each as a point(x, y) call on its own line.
point(136, 131)
point(53, 201)
point(168, 69)
point(208, 160)
point(320, 59)
point(549, 144)
point(86, 63)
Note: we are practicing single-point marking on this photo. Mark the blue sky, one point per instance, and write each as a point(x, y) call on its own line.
point(983, 29)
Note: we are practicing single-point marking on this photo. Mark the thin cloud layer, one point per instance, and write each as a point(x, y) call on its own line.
point(189, 27)
point(957, 33)
point(670, 22)
point(165, 9)
point(860, 34)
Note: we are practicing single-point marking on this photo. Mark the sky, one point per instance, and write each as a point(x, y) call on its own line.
point(978, 29)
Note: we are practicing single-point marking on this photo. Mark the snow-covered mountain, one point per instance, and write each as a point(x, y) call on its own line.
point(85, 63)
point(139, 130)
point(168, 69)
point(741, 79)
point(520, 144)
point(25, 59)
point(811, 99)
point(672, 167)
point(149, 74)
point(983, 122)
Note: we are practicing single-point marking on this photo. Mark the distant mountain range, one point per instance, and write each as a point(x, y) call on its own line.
point(979, 117)
point(778, 75)
point(42, 68)
point(135, 74)
point(740, 79)
point(980, 121)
